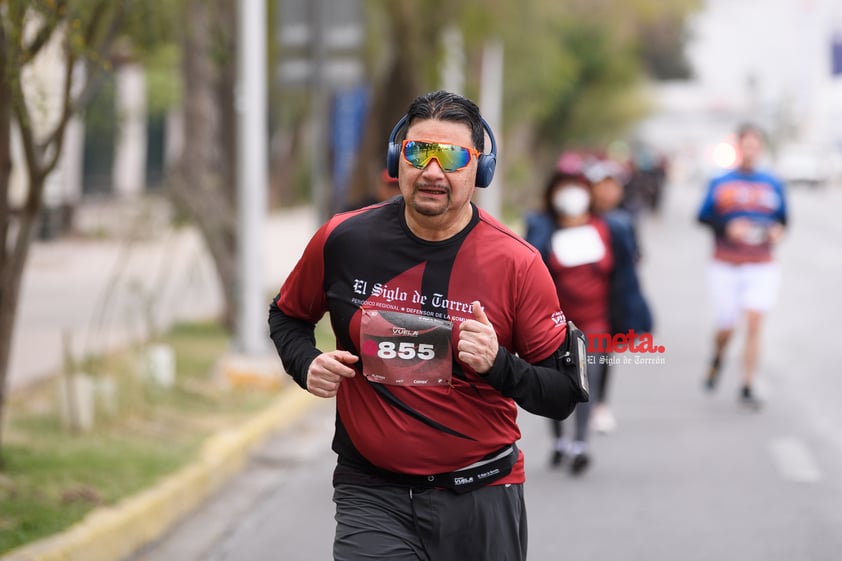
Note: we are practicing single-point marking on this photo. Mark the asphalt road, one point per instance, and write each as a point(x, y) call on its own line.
point(687, 475)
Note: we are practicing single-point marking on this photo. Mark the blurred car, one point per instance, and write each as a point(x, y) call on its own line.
point(803, 164)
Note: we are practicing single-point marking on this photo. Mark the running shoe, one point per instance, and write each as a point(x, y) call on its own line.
point(749, 400)
point(713, 374)
point(560, 449)
point(579, 457)
point(603, 420)
point(580, 463)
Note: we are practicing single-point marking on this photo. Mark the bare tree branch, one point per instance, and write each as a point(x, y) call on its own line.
point(24, 121)
point(5, 147)
point(42, 37)
point(93, 72)
point(55, 141)
point(94, 22)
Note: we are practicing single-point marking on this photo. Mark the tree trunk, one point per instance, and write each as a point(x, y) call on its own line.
point(391, 95)
point(202, 182)
point(41, 151)
point(7, 308)
point(11, 274)
point(226, 86)
point(16, 226)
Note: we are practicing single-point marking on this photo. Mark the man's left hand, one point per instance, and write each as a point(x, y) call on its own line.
point(775, 232)
point(478, 344)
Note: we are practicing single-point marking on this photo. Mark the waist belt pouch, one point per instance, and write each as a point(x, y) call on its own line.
point(469, 479)
point(480, 474)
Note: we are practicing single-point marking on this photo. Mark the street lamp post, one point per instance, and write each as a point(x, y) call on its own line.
point(251, 176)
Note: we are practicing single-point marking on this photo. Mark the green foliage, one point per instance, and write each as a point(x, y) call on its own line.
point(151, 28)
point(573, 68)
point(152, 23)
point(661, 48)
point(574, 71)
point(597, 97)
point(163, 86)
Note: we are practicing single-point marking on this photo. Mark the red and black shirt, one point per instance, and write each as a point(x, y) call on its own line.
point(397, 301)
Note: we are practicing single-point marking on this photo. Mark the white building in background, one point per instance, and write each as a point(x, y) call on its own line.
point(42, 82)
point(129, 171)
point(765, 61)
point(771, 59)
point(43, 87)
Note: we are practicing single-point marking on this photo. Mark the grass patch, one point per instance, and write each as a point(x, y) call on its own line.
point(54, 476)
point(51, 488)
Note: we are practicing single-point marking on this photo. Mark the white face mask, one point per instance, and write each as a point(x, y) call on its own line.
point(571, 200)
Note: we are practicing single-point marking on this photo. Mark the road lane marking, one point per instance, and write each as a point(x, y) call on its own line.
point(794, 461)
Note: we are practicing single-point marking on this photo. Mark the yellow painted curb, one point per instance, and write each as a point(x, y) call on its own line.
point(113, 533)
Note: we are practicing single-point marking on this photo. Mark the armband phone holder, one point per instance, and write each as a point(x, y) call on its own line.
point(574, 359)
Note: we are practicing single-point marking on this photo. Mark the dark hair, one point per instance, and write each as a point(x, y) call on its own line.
point(746, 129)
point(447, 106)
point(555, 179)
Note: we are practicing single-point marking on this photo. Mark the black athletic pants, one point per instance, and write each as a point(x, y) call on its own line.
point(399, 524)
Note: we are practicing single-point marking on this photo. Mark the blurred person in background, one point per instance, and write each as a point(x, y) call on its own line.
point(387, 187)
point(576, 246)
point(747, 212)
point(628, 307)
point(645, 183)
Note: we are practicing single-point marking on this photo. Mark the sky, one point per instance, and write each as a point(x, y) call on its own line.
point(781, 46)
point(766, 61)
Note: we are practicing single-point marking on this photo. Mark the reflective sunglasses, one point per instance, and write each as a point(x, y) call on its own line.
point(451, 157)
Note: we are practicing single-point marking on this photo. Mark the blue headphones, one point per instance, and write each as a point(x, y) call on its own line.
point(485, 162)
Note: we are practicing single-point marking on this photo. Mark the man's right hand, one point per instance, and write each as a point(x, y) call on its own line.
point(328, 370)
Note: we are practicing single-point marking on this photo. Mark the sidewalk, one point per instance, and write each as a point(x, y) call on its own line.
point(98, 291)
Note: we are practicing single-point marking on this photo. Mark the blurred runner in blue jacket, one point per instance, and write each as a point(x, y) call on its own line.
point(746, 209)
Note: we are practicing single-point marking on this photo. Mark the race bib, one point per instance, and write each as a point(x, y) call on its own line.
point(579, 245)
point(405, 349)
point(756, 233)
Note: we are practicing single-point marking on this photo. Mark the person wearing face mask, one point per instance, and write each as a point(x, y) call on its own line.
point(576, 247)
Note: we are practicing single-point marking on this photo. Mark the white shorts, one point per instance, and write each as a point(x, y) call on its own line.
point(737, 288)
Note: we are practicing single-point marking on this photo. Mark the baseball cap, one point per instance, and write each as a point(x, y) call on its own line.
point(570, 163)
point(604, 169)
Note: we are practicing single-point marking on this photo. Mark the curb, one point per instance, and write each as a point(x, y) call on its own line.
point(113, 533)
